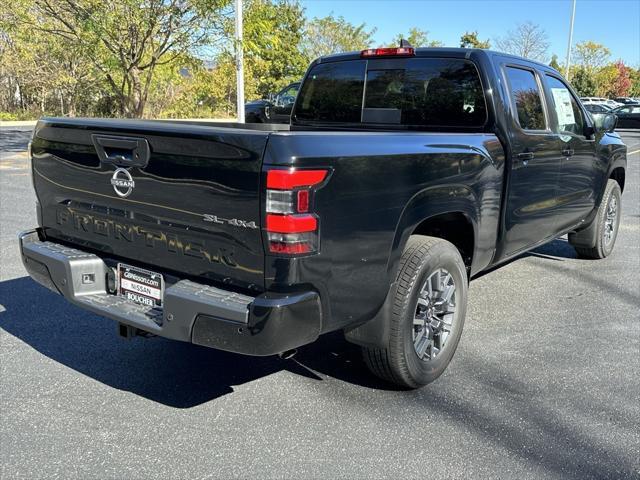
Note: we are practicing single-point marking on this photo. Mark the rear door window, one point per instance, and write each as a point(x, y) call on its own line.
point(418, 92)
point(526, 99)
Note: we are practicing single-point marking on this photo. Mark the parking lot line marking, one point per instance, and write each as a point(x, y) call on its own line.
point(634, 152)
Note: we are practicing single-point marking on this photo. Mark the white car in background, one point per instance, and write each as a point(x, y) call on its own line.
point(600, 101)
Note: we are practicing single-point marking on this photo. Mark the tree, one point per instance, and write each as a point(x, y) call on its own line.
point(527, 40)
point(126, 41)
point(635, 83)
point(554, 63)
point(416, 38)
point(327, 35)
point(470, 40)
point(591, 55)
point(622, 84)
point(605, 79)
point(42, 74)
point(583, 82)
point(273, 33)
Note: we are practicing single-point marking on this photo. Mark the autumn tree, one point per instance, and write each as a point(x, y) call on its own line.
point(471, 40)
point(527, 40)
point(622, 84)
point(591, 55)
point(635, 83)
point(327, 35)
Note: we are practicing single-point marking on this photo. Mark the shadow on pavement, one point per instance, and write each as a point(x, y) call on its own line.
point(173, 373)
point(488, 400)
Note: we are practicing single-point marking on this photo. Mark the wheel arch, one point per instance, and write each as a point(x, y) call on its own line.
point(456, 225)
point(450, 213)
point(618, 174)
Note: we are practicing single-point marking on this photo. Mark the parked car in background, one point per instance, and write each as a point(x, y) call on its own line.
point(628, 116)
point(597, 108)
point(601, 101)
point(626, 100)
point(276, 108)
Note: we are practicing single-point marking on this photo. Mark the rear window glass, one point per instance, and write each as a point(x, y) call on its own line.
point(526, 96)
point(332, 92)
point(422, 92)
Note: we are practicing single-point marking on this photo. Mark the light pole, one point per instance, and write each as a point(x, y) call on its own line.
point(239, 63)
point(573, 15)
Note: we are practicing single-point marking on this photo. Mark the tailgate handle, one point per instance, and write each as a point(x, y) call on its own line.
point(123, 151)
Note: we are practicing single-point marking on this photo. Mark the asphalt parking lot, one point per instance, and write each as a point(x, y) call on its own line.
point(545, 382)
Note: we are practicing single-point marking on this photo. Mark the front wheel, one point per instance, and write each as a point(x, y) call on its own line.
point(427, 317)
point(602, 233)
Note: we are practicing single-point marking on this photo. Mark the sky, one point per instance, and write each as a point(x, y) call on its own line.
point(613, 23)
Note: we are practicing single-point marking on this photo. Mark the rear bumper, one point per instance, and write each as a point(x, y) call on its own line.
point(265, 325)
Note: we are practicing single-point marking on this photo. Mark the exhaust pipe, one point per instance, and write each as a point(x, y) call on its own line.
point(286, 355)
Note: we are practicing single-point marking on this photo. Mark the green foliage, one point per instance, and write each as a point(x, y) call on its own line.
point(583, 82)
point(416, 38)
point(471, 40)
point(124, 41)
point(554, 63)
point(591, 55)
point(147, 57)
point(634, 91)
point(327, 35)
point(272, 37)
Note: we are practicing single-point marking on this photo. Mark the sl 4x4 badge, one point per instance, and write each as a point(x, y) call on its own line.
point(229, 221)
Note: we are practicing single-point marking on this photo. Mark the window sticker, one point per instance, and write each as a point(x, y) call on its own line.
point(562, 99)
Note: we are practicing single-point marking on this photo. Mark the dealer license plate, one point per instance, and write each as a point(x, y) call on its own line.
point(140, 285)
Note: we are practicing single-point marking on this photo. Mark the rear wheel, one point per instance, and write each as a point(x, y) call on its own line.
point(427, 316)
point(606, 224)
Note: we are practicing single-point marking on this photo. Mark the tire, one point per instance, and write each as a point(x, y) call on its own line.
point(399, 362)
point(600, 244)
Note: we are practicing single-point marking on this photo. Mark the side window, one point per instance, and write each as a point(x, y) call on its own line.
point(292, 91)
point(525, 94)
point(570, 118)
point(332, 92)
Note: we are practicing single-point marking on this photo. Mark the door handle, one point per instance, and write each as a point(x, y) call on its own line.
point(523, 158)
point(568, 152)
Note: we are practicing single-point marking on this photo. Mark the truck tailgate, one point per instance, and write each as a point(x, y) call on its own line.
point(177, 197)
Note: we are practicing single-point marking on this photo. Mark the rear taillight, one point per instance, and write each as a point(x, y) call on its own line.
point(291, 225)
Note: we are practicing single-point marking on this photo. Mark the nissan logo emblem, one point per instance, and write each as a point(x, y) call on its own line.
point(122, 182)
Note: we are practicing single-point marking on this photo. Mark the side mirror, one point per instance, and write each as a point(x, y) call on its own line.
point(605, 122)
point(610, 122)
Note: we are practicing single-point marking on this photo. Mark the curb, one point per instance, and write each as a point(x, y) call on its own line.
point(20, 123)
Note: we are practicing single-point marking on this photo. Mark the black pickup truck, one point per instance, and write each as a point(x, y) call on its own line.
point(403, 174)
